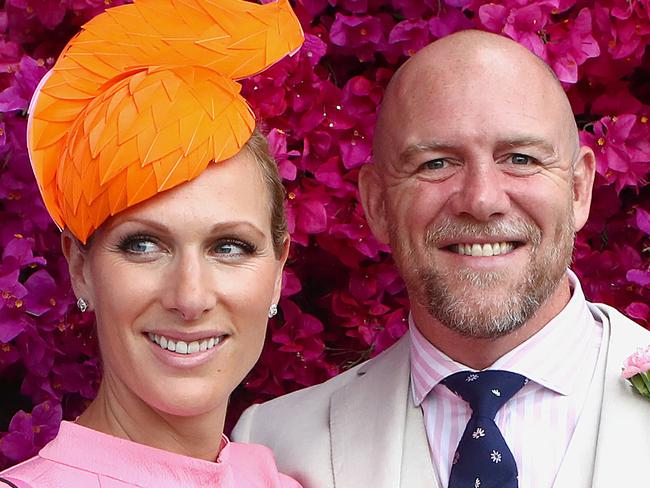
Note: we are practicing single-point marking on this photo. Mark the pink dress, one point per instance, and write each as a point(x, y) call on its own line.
point(82, 457)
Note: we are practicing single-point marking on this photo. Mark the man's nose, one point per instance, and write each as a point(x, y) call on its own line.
point(189, 288)
point(482, 193)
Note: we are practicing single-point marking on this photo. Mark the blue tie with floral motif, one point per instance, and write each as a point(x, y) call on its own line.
point(483, 459)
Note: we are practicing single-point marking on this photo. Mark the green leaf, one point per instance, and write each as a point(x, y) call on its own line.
point(640, 385)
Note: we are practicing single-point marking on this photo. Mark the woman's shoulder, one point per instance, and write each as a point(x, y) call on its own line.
point(23, 474)
point(38, 472)
point(256, 464)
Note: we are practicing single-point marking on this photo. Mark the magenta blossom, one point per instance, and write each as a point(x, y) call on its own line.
point(29, 431)
point(622, 147)
point(360, 35)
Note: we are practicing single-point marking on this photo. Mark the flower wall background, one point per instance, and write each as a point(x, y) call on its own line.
point(343, 301)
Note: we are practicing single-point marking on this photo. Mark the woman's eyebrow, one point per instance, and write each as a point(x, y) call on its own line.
point(230, 225)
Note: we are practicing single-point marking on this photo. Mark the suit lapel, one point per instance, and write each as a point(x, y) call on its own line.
point(377, 438)
point(612, 434)
point(417, 468)
point(623, 445)
point(577, 468)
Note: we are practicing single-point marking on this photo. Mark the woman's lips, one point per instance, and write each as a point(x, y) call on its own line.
point(183, 347)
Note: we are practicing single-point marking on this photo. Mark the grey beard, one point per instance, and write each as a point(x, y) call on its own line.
point(464, 310)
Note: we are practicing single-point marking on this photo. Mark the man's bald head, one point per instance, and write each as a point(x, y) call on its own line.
point(464, 59)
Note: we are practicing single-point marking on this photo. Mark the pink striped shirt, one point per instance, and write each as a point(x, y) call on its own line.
point(540, 419)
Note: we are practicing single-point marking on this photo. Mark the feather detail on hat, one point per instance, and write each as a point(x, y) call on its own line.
point(145, 97)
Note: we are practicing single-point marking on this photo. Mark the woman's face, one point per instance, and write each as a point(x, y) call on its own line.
point(181, 287)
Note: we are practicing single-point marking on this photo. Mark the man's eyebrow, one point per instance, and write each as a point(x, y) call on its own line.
point(423, 147)
point(514, 142)
point(528, 141)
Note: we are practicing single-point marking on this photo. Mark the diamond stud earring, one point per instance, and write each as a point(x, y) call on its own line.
point(273, 310)
point(82, 305)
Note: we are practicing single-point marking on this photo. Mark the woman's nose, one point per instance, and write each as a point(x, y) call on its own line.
point(190, 290)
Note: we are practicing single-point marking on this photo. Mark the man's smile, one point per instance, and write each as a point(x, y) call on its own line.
point(483, 249)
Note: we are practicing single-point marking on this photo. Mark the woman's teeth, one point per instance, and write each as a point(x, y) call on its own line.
point(182, 347)
point(487, 249)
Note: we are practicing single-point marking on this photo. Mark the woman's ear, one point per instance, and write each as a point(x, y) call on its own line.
point(77, 255)
point(282, 260)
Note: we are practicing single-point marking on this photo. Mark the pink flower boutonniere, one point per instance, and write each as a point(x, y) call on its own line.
point(637, 371)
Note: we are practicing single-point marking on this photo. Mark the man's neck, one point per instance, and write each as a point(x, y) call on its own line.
point(479, 353)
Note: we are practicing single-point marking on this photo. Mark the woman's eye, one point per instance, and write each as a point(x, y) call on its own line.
point(139, 245)
point(234, 248)
point(435, 164)
point(520, 159)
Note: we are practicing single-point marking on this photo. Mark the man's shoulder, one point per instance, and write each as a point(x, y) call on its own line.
point(621, 326)
point(321, 393)
point(309, 408)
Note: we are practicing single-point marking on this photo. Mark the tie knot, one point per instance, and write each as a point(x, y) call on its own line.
point(485, 391)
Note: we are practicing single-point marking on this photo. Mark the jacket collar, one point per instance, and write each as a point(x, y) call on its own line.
point(373, 417)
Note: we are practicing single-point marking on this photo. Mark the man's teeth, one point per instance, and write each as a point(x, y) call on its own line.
point(182, 347)
point(487, 249)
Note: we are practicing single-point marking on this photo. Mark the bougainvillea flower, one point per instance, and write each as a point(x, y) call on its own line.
point(306, 213)
point(44, 295)
point(49, 12)
point(140, 100)
point(299, 333)
point(29, 431)
point(362, 35)
point(572, 44)
point(58, 352)
point(412, 9)
point(278, 147)
point(643, 220)
point(639, 311)
point(622, 148)
point(17, 96)
point(448, 22)
point(521, 23)
point(409, 36)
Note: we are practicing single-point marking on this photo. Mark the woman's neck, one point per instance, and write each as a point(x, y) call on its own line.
point(125, 415)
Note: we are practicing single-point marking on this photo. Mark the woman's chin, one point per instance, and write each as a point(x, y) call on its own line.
point(192, 399)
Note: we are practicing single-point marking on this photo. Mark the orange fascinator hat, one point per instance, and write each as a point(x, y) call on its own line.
point(145, 97)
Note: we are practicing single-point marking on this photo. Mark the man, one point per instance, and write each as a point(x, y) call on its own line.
point(478, 185)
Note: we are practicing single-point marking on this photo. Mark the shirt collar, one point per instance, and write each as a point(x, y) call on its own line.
point(549, 358)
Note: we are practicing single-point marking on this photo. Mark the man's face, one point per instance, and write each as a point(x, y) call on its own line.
point(477, 184)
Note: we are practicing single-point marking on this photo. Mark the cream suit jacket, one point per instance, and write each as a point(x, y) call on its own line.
point(362, 430)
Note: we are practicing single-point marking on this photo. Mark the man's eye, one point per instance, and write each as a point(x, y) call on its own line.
point(138, 245)
point(435, 164)
point(521, 159)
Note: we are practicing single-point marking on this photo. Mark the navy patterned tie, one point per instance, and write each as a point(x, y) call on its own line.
point(483, 459)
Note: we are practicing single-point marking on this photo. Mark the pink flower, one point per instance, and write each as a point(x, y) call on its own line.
point(448, 22)
point(29, 431)
point(360, 35)
point(622, 147)
point(639, 362)
point(409, 36)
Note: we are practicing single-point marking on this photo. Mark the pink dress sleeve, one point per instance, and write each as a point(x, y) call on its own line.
point(287, 482)
point(12, 483)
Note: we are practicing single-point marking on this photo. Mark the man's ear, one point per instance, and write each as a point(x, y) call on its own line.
point(371, 191)
point(77, 256)
point(584, 170)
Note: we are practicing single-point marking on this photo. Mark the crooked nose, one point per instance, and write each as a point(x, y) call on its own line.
point(189, 289)
point(482, 193)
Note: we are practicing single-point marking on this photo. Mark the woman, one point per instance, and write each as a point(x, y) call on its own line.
point(180, 258)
